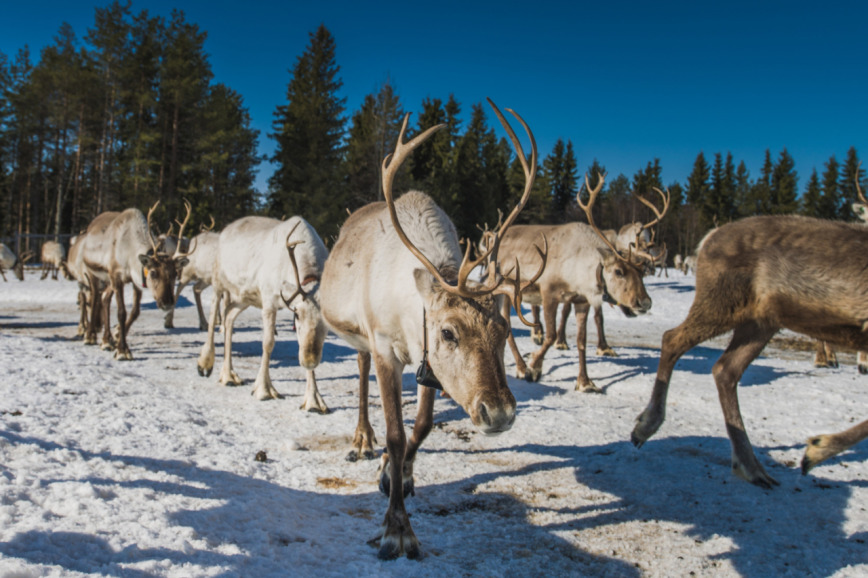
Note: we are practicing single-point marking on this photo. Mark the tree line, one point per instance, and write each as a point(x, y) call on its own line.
point(133, 116)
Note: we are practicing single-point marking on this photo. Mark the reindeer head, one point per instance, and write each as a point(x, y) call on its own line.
point(304, 304)
point(160, 269)
point(465, 334)
point(619, 276)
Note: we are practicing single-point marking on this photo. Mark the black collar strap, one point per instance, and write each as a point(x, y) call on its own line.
point(601, 285)
point(424, 374)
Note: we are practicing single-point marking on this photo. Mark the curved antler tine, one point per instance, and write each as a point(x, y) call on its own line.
point(390, 166)
point(859, 192)
point(588, 209)
point(178, 252)
point(203, 228)
point(660, 214)
point(518, 288)
point(150, 235)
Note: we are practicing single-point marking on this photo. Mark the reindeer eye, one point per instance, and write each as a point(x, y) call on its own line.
point(448, 335)
point(619, 273)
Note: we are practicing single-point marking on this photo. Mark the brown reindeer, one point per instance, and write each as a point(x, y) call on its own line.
point(117, 249)
point(396, 288)
point(754, 277)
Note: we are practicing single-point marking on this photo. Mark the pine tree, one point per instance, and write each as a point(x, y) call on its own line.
point(309, 130)
point(698, 188)
point(373, 134)
point(830, 200)
point(784, 183)
point(761, 201)
point(850, 172)
point(742, 191)
point(811, 199)
point(560, 170)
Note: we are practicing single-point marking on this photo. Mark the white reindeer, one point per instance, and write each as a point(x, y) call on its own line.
point(257, 259)
point(9, 261)
point(52, 257)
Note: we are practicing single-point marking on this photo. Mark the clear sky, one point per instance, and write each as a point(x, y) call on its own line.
point(626, 82)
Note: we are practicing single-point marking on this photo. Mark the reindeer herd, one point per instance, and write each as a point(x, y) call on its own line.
point(397, 288)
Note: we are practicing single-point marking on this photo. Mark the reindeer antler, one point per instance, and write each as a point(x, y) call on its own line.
point(203, 228)
point(390, 167)
point(290, 247)
point(588, 209)
point(150, 236)
point(178, 252)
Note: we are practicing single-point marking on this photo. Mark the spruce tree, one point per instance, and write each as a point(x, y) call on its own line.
point(309, 131)
point(560, 170)
point(742, 190)
point(372, 135)
point(811, 199)
point(784, 183)
point(850, 172)
point(830, 200)
point(761, 201)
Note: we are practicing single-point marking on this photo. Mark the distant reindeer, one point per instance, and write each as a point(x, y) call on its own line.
point(9, 261)
point(117, 249)
point(678, 262)
point(584, 269)
point(754, 277)
point(53, 256)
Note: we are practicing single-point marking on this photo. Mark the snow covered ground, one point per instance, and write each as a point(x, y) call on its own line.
point(143, 468)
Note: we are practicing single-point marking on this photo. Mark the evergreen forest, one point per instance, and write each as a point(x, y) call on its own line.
point(130, 113)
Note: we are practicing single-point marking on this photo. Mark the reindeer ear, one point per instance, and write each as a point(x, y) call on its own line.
point(181, 262)
point(425, 283)
point(606, 252)
point(145, 260)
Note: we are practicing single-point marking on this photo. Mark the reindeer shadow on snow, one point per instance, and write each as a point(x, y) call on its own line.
point(272, 529)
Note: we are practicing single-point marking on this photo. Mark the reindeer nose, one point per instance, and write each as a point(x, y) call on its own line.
point(493, 419)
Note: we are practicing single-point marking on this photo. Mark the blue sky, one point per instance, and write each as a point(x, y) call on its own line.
point(626, 82)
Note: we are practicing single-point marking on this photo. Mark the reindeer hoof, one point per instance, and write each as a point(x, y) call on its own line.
point(123, 355)
point(863, 369)
point(204, 372)
point(607, 352)
point(588, 387)
point(532, 374)
point(168, 325)
point(562, 346)
point(537, 339)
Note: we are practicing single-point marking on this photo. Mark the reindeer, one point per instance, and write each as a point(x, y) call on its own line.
point(824, 353)
point(678, 262)
point(198, 270)
point(396, 288)
point(9, 261)
point(117, 249)
point(257, 258)
point(52, 257)
point(584, 269)
point(754, 277)
point(635, 239)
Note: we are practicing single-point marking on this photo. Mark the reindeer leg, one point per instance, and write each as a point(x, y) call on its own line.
point(583, 382)
point(603, 348)
point(205, 363)
point(93, 310)
point(397, 537)
point(421, 429)
point(520, 366)
point(561, 342)
point(550, 312)
point(108, 342)
point(676, 342)
point(824, 355)
point(748, 340)
point(227, 375)
point(137, 307)
point(122, 352)
point(363, 440)
point(3, 274)
point(825, 446)
point(536, 332)
point(169, 318)
point(262, 387)
point(862, 362)
point(197, 294)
